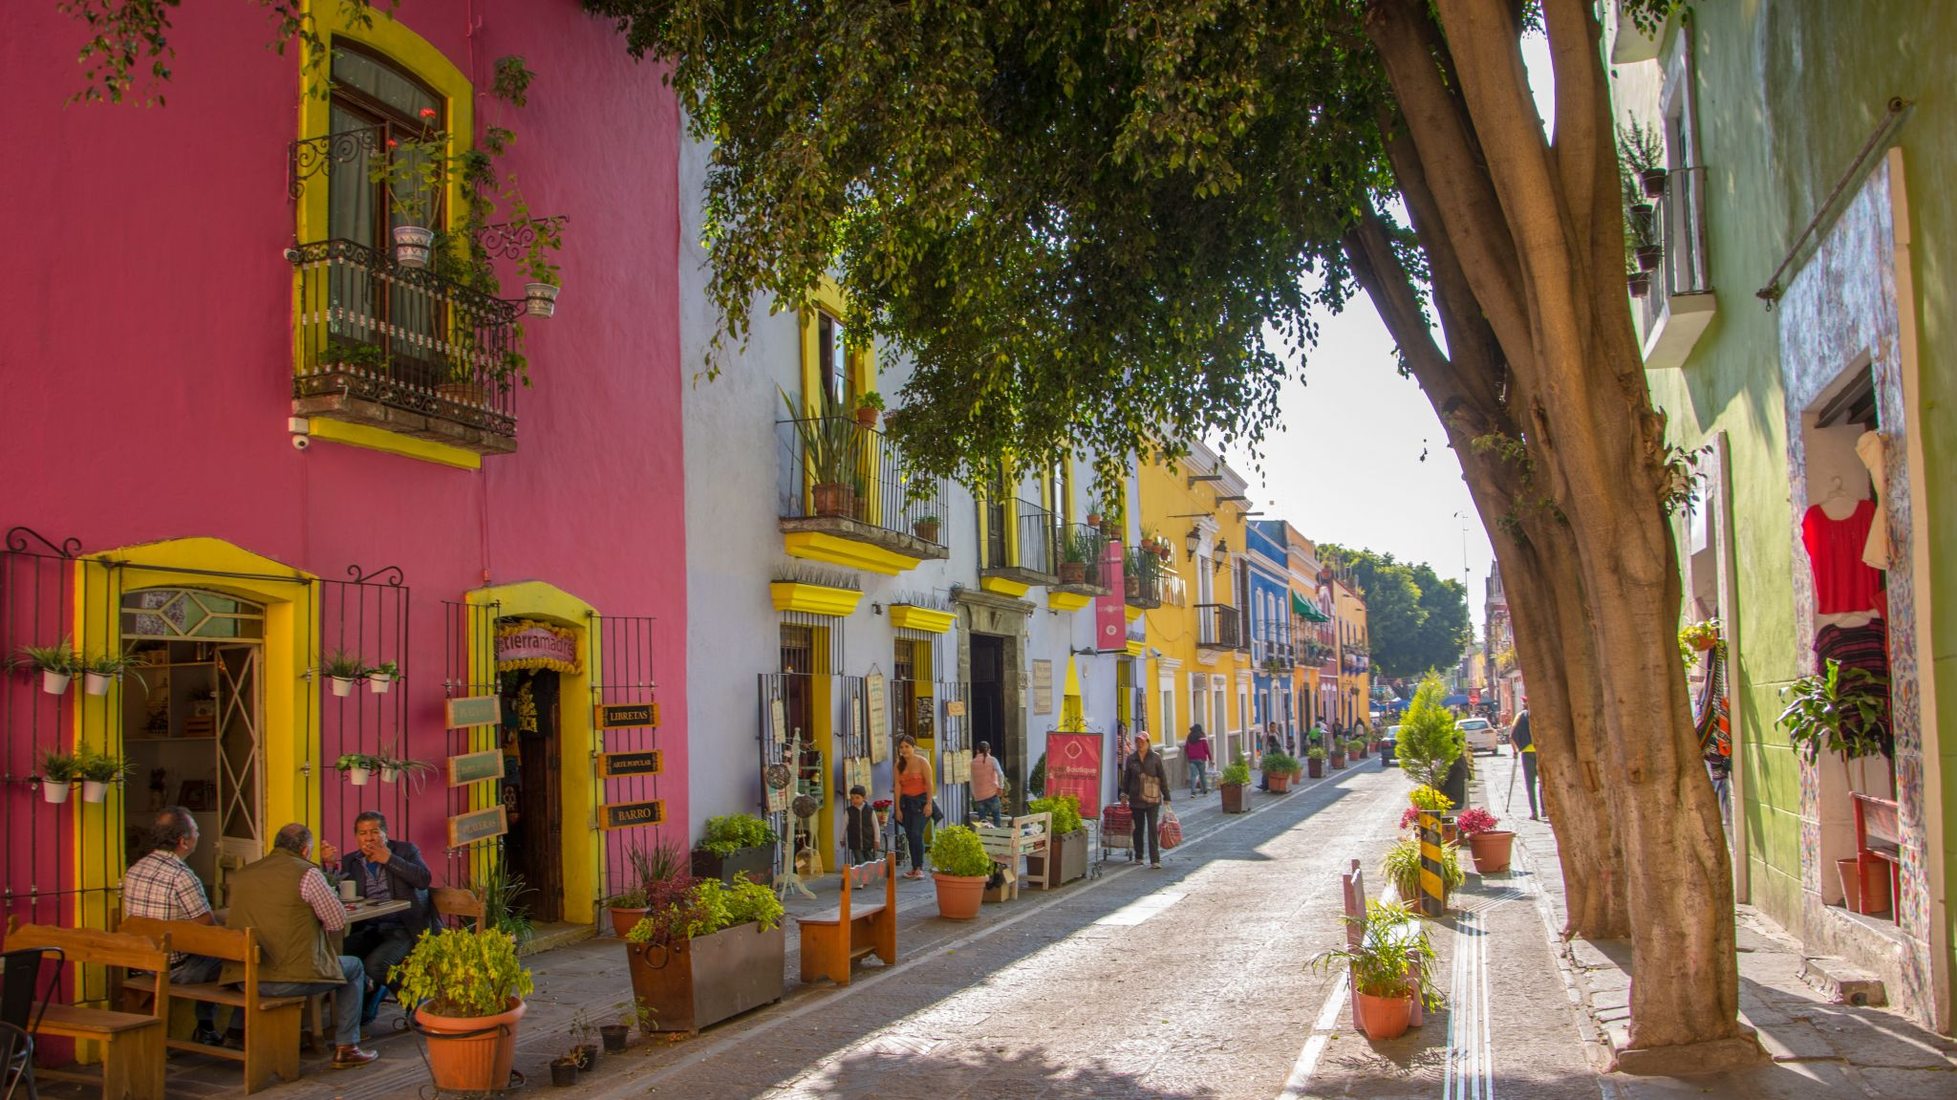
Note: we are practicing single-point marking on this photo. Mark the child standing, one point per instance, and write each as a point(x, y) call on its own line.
point(860, 829)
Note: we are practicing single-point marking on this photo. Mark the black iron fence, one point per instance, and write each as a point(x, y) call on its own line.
point(1679, 228)
point(1083, 554)
point(1030, 543)
point(1220, 626)
point(834, 466)
point(1141, 578)
point(409, 338)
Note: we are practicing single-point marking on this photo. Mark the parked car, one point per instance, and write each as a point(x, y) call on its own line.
point(1389, 743)
point(1481, 734)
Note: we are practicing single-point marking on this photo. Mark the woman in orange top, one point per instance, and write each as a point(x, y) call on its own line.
point(914, 789)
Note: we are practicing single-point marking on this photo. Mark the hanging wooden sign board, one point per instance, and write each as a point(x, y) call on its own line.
point(475, 767)
point(625, 716)
point(474, 710)
point(644, 762)
point(464, 829)
point(627, 815)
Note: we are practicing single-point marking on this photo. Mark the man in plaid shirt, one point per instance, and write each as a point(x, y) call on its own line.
point(160, 885)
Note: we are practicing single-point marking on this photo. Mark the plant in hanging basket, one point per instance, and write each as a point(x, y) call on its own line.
point(56, 663)
point(343, 670)
point(357, 767)
point(393, 767)
point(99, 769)
point(382, 676)
point(59, 770)
point(102, 669)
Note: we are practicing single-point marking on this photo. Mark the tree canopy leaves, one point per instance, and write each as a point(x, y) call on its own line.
point(1415, 619)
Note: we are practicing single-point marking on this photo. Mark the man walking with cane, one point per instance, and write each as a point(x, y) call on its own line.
point(1525, 754)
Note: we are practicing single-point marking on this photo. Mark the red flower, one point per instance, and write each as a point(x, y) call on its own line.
point(1410, 818)
point(391, 143)
point(428, 112)
point(1475, 820)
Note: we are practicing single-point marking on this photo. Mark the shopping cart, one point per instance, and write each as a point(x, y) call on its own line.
point(1117, 831)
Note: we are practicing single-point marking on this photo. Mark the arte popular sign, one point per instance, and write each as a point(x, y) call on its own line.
point(1111, 611)
point(611, 765)
point(465, 829)
point(876, 696)
point(475, 710)
point(1073, 766)
point(475, 767)
point(1042, 687)
point(529, 644)
point(630, 815)
point(625, 716)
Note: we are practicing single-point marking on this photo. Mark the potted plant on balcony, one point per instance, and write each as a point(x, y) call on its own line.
point(467, 989)
point(1066, 840)
point(57, 664)
point(706, 951)
point(829, 444)
point(98, 770)
point(414, 171)
point(1491, 847)
point(1075, 550)
point(925, 527)
point(1234, 782)
point(1391, 965)
point(343, 671)
point(1643, 155)
point(959, 867)
point(734, 845)
point(59, 770)
point(1315, 762)
point(546, 236)
point(869, 405)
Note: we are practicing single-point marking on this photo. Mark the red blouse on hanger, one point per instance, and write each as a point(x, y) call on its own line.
point(1842, 582)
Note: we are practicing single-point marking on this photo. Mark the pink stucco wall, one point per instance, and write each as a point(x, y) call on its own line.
point(145, 365)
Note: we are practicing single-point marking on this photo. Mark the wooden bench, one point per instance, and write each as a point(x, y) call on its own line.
point(453, 903)
point(1878, 840)
point(1011, 843)
point(1353, 885)
point(833, 939)
point(270, 1024)
point(131, 1044)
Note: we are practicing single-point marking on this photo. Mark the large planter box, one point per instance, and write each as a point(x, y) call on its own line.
point(1236, 799)
point(699, 982)
point(1069, 855)
point(758, 862)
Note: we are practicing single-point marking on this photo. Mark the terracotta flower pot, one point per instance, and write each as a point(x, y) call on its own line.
point(1877, 900)
point(470, 1053)
point(1383, 1017)
point(832, 498)
point(1073, 572)
point(926, 529)
point(1491, 850)
point(959, 896)
point(1280, 782)
point(624, 919)
point(1315, 769)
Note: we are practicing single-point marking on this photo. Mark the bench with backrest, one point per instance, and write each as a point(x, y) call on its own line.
point(270, 1024)
point(833, 939)
point(1353, 885)
point(453, 905)
point(1011, 843)
point(1878, 841)
point(131, 1044)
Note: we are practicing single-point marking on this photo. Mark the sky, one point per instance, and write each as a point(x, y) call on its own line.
point(1358, 457)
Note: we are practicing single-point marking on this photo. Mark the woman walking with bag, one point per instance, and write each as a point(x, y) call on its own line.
point(1146, 786)
point(1196, 750)
point(913, 800)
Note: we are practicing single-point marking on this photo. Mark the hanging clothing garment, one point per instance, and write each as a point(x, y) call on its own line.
point(1863, 647)
point(1875, 551)
point(1842, 582)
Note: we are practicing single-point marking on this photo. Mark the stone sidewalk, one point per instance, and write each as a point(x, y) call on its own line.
point(1815, 1047)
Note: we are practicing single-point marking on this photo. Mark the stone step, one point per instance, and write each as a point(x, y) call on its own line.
point(1843, 983)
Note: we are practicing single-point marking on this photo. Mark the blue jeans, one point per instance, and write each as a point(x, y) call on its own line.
point(914, 820)
point(1199, 776)
point(346, 1005)
point(988, 808)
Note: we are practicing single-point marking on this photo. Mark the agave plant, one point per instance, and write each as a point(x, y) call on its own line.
point(831, 439)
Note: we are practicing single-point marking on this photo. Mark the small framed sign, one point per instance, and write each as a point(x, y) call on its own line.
point(628, 815)
point(464, 829)
point(642, 762)
point(625, 716)
point(475, 767)
point(474, 710)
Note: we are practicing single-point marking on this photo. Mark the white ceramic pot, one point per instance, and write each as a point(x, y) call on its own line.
point(96, 683)
point(389, 775)
point(411, 245)
point(343, 685)
point(379, 682)
point(94, 790)
point(56, 793)
point(359, 776)
point(54, 683)
point(540, 299)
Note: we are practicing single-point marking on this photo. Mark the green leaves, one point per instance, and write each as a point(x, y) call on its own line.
point(1841, 709)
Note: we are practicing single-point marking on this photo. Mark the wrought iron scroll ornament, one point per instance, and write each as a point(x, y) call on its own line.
point(392, 575)
point(17, 542)
point(313, 156)
point(511, 241)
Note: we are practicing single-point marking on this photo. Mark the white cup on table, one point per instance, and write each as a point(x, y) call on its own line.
point(349, 890)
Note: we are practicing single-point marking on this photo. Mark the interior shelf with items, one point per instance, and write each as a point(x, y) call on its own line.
point(170, 738)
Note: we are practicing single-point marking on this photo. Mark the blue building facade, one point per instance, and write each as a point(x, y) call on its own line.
point(1266, 568)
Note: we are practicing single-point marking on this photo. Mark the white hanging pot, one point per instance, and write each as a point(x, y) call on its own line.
point(96, 683)
point(55, 683)
point(379, 682)
point(359, 776)
point(539, 299)
point(389, 775)
point(94, 790)
point(411, 245)
point(343, 685)
point(56, 793)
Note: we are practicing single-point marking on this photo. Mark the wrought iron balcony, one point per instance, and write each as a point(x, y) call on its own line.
point(1023, 551)
point(1220, 626)
point(404, 349)
point(837, 478)
point(1083, 552)
point(1141, 578)
point(1680, 302)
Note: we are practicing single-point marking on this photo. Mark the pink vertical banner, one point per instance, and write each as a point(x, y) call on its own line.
point(1073, 766)
point(1110, 611)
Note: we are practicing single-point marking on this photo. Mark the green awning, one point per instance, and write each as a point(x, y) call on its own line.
point(1307, 610)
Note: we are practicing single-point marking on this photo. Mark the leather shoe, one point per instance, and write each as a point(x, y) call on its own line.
point(348, 1057)
point(205, 1036)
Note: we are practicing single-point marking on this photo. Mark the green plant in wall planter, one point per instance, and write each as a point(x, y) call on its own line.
point(343, 672)
point(358, 767)
point(1840, 710)
point(382, 676)
point(393, 767)
point(57, 664)
point(103, 669)
point(59, 770)
point(99, 769)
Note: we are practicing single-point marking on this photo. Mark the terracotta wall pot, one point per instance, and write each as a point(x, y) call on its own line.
point(470, 1053)
point(1383, 1017)
point(624, 919)
point(1073, 572)
point(1851, 884)
point(1234, 799)
point(1491, 850)
point(959, 896)
point(832, 498)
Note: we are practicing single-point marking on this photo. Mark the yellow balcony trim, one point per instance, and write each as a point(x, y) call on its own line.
point(1133, 612)
point(1004, 587)
point(930, 620)
point(817, 546)
point(1136, 648)
point(380, 439)
point(814, 599)
point(1067, 601)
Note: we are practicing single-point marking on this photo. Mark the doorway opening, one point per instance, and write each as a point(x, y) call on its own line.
point(533, 788)
point(988, 709)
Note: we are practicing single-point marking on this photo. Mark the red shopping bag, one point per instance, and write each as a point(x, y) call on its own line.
point(1169, 833)
point(1117, 819)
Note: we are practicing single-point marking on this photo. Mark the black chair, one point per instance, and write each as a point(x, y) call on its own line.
point(23, 1001)
point(16, 1063)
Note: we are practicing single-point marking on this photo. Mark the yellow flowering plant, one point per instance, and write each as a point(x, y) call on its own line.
point(462, 973)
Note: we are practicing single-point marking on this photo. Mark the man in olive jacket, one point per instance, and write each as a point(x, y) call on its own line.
point(1145, 798)
point(285, 899)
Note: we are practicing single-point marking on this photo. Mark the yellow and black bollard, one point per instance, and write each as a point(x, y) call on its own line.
point(1433, 890)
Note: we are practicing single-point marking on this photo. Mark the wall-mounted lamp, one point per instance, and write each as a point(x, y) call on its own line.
point(1193, 540)
point(1222, 549)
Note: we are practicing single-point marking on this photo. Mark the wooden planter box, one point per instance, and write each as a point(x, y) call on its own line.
point(1069, 855)
point(758, 862)
point(1236, 798)
point(699, 982)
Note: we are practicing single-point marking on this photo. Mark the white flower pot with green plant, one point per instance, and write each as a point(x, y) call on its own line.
point(393, 767)
point(546, 236)
point(382, 676)
point(343, 672)
point(98, 770)
point(99, 671)
point(56, 663)
point(414, 172)
point(59, 770)
point(358, 767)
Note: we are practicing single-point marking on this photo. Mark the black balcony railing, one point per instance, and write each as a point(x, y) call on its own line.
point(404, 338)
point(1220, 626)
point(1028, 545)
point(834, 466)
point(1083, 554)
point(1679, 222)
point(1141, 578)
